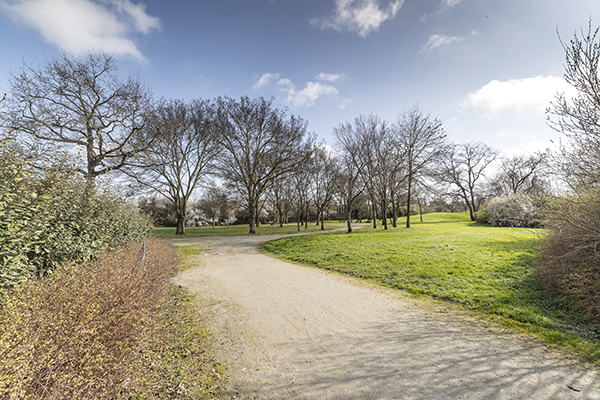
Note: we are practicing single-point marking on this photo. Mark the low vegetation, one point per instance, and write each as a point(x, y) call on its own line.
point(239, 230)
point(486, 269)
point(112, 329)
point(569, 260)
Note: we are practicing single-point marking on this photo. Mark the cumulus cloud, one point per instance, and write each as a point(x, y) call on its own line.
point(308, 95)
point(78, 26)
point(265, 80)
point(362, 16)
point(305, 97)
point(517, 95)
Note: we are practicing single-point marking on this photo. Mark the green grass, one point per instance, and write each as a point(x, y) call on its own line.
point(485, 269)
point(240, 230)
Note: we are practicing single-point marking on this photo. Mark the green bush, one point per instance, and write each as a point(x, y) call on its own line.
point(47, 217)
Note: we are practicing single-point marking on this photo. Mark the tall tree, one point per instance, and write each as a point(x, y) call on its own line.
point(522, 174)
point(280, 195)
point(366, 142)
point(422, 138)
point(353, 168)
point(463, 168)
point(323, 171)
point(82, 103)
point(349, 187)
point(260, 143)
point(183, 153)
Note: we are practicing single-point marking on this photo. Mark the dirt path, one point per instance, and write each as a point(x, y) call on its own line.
point(291, 332)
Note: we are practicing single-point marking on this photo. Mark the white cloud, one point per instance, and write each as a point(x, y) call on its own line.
point(265, 80)
point(308, 95)
point(78, 26)
point(450, 3)
point(362, 16)
point(526, 146)
point(441, 42)
point(345, 103)
point(517, 95)
point(441, 8)
point(329, 77)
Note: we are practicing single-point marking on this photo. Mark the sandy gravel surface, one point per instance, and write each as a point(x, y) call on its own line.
point(292, 332)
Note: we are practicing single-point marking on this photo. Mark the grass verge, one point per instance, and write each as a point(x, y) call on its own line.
point(485, 269)
point(241, 230)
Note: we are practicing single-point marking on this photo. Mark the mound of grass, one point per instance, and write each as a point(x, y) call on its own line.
point(486, 269)
point(240, 230)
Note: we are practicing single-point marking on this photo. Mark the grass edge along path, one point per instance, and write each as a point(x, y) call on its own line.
point(486, 270)
point(242, 230)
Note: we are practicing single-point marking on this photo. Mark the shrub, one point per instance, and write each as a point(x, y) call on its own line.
point(77, 333)
point(47, 218)
point(569, 259)
point(515, 210)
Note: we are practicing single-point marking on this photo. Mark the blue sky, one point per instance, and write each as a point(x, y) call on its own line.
point(487, 68)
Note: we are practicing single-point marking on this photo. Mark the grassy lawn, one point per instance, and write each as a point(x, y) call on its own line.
point(485, 269)
point(240, 230)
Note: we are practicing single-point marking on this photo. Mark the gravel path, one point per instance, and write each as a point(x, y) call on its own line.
point(292, 332)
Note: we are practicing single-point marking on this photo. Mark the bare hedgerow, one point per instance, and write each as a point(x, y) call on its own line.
point(77, 333)
point(569, 258)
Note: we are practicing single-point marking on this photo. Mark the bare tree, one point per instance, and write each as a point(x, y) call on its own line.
point(463, 168)
point(350, 182)
point(422, 138)
point(323, 171)
point(280, 195)
point(521, 174)
point(214, 204)
point(349, 187)
point(299, 179)
point(579, 118)
point(182, 155)
point(260, 144)
point(368, 144)
point(82, 103)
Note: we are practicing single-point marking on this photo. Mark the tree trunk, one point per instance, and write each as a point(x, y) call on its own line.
point(252, 219)
point(374, 208)
point(384, 213)
point(322, 221)
point(180, 208)
point(394, 212)
point(472, 207)
point(349, 219)
point(408, 201)
point(306, 218)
